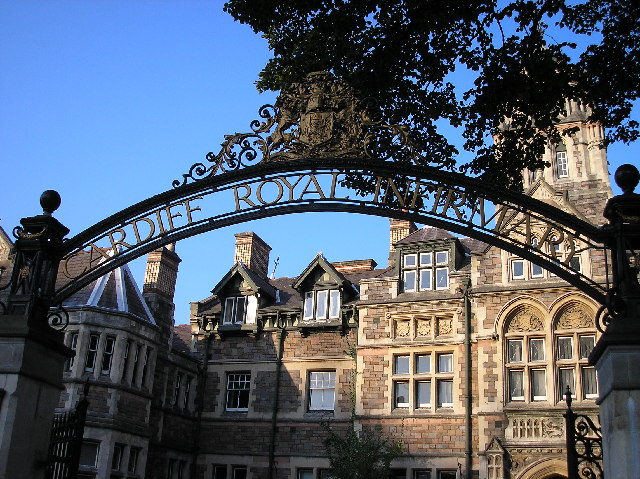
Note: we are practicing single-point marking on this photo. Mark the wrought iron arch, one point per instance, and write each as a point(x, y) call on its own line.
point(302, 156)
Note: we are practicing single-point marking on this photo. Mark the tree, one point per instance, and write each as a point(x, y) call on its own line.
point(520, 60)
point(360, 455)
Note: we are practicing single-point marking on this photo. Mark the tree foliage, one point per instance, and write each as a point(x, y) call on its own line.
point(360, 455)
point(519, 59)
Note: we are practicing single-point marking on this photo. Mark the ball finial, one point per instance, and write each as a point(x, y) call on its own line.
point(627, 178)
point(50, 201)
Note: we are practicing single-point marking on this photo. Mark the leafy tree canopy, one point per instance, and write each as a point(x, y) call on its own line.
point(524, 58)
point(360, 455)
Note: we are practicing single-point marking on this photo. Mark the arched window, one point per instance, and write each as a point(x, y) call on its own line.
point(525, 350)
point(574, 338)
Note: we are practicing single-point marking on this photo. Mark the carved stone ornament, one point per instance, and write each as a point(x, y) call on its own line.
point(319, 117)
point(445, 326)
point(525, 319)
point(576, 316)
point(403, 329)
point(423, 327)
point(527, 427)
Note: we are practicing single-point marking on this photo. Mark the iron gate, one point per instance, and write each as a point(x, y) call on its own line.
point(66, 440)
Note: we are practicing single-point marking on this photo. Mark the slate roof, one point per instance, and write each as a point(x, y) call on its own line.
point(181, 339)
point(115, 291)
point(428, 233)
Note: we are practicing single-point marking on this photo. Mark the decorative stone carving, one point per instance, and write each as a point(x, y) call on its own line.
point(576, 316)
point(526, 318)
point(403, 329)
point(535, 428)
point(445, 326)
point(423, 327)
point(522, 457)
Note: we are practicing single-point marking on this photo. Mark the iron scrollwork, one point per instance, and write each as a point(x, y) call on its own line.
point(319, 117)
point(584, 445)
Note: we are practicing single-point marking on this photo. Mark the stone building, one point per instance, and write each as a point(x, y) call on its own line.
point(456, 349)
point(460, 351)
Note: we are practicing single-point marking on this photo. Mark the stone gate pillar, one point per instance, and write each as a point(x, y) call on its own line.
point(32, 353)
point(617, 354)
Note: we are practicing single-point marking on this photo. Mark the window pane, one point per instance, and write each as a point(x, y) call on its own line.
point(305, 474)
point(322, 386)
point(238, 385)
point(409, 261)
point(421, 474)
point(447, 475)
point(401, 394)
point(445, 393)
point(536, 349)
point(562, 170)
point(228, 310)
point(514, 350)
point(442, 257)
point(423, 363)
point(116, 459)
point(133, 459)
point(334, 304)
point(516, 386)
point(398, 474)
point(321, 306)
point(252, 309)
point(426, 279)
point(409, 280)
point(539, 384)
point(240, 303)
point(308, 305)
point(565, 348)
point(575, 264)
point(426, 259)
point(517, 269)
point(589, 382)
point(401, 365)
point(423, 394)
point(239, 473)
point(586, 346)
point(92, 350)
point(565, 378)
point(445, 363)
point(89, 453)
point(219, 472)
point(442, 278)
point(536, 270)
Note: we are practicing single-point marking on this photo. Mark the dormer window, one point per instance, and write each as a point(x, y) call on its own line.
point(240, 310)
point(425, 271)
point(321, 305)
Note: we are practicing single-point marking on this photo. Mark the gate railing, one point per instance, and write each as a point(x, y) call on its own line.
point(66, 440)
point(584, 444)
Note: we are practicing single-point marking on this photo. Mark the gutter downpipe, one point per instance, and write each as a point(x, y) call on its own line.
point(203, 373)
point(468, 371)
point(282, 334)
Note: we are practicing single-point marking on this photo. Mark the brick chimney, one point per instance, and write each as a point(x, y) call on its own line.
point(398, 229)
point(253, 252)
point(159, 285)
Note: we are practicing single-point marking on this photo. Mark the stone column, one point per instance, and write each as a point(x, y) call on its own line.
point(617, 354)
point(32, 353)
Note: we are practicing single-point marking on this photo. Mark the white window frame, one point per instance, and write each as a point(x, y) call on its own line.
point(234, 393)
point(93, 443)
point(562, 164)
point(322, 383)
point(438, 286)
point(134, 458)
point(92, 352)
point(404, 404)
point(107, 354)
point(322, 305)
point(116, 459)
point(231, 315)
point(513, 269)
point(532, 373)
point(440, 402)
point(73, 345)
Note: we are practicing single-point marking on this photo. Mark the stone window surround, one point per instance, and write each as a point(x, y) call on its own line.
point(569, 317)
point(413, 379)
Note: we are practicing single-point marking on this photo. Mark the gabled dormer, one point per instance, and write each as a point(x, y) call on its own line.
point(241, 293)
point(426, 258)
point(324, 291)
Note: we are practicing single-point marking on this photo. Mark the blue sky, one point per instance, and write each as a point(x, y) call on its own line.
point(108, 101)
